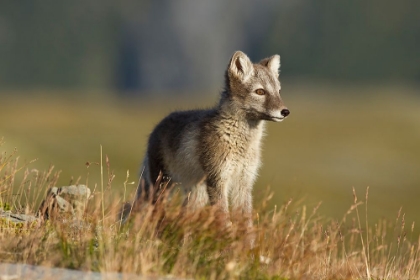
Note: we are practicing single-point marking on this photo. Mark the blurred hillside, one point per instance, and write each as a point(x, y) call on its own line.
point(165, 45)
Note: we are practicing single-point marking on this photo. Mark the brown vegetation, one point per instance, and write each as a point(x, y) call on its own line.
point(293, 242)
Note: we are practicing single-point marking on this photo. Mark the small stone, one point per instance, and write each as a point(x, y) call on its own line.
point(68, 200)
point(17, 218)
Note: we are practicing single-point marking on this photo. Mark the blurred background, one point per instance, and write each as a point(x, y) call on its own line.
point(75, 75)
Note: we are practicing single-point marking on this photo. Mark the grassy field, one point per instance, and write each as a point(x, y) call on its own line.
point(336, 138)
point(291, 240)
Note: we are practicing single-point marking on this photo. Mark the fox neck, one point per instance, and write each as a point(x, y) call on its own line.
point(228, 109)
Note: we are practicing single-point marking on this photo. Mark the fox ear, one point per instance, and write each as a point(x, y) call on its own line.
point(240, 66)
point(273, 63)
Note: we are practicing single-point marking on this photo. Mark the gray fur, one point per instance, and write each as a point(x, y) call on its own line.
point(215, 154)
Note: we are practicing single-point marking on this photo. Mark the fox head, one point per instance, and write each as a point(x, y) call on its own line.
point(255, 88)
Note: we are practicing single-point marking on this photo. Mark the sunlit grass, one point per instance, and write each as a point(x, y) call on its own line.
point(292, 240)
point(336, 138)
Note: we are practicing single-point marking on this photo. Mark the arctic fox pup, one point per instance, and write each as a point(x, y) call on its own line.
point(214, 154)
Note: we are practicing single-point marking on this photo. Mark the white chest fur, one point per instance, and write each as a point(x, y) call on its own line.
point(239, 146)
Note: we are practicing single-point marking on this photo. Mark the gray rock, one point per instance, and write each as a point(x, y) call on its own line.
point(10, 271)
point(69, 200)
point(17, 218)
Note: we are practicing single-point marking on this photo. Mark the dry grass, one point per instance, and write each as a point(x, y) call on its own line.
point(337, 137)
point(293, 241)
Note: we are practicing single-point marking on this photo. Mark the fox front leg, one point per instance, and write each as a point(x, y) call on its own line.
point(218, 197)
point(242, 206)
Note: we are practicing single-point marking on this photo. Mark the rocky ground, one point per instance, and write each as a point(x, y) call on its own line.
point(10, 271)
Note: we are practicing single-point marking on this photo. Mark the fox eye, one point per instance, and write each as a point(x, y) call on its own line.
point(260, 91)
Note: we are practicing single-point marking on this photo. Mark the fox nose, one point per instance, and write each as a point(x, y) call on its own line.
point(285, 112)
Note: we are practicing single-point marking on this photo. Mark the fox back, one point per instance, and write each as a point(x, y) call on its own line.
point(215, 154)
